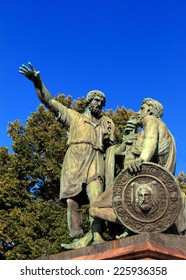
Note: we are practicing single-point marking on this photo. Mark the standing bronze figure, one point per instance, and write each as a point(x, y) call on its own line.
point(89, 135)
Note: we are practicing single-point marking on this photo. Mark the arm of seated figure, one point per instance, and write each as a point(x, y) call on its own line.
point(148, 142)
point(134, 165)
point(120, 148)
point(127, 140)
point(150, 136)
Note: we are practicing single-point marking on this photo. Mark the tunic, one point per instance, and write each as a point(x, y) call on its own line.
point(84, 159)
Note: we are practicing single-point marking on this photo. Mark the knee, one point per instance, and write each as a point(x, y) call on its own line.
point(92, 212)
point(72, 204)
point(94, 190)
point(69, 202)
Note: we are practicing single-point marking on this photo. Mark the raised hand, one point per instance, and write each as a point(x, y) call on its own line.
point(30, 73)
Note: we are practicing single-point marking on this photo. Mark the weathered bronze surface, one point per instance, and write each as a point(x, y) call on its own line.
point(146, 201)
point(89, 135)
point(144, 197)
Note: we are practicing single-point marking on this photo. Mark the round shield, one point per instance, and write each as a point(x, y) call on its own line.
point(146, 201)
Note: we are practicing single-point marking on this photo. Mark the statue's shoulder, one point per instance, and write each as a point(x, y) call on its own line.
point(106, 118)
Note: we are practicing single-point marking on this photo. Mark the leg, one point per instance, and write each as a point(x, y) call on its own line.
point(106, 214)
point(74, 219)
point(75, 225)
point(94, 190)
point(102, 208)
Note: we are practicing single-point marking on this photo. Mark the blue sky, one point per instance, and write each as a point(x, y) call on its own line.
point(129, 49)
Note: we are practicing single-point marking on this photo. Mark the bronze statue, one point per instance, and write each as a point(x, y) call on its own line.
point(154, 144)
point(89, 135)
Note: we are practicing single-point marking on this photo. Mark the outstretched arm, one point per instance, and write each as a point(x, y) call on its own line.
point(43, 94)
point(34, 76)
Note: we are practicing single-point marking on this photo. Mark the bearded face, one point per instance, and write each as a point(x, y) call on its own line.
point(144, 200)
point(95, 106)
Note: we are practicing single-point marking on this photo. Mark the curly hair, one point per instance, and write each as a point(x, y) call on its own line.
point(93, 93)
point(156, 108)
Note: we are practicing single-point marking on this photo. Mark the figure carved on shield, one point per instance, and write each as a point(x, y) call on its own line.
point(89, 135)
point(144, 196)
point(155, 144)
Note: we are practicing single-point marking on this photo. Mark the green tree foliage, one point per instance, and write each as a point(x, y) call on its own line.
point(181, 179)
point(33, 221)
point(29, 226)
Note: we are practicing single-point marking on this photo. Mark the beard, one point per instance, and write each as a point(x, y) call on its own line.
point(95, 111)
point(145, 207)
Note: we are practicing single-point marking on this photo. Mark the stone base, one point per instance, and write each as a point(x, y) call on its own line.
point(154, 246)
